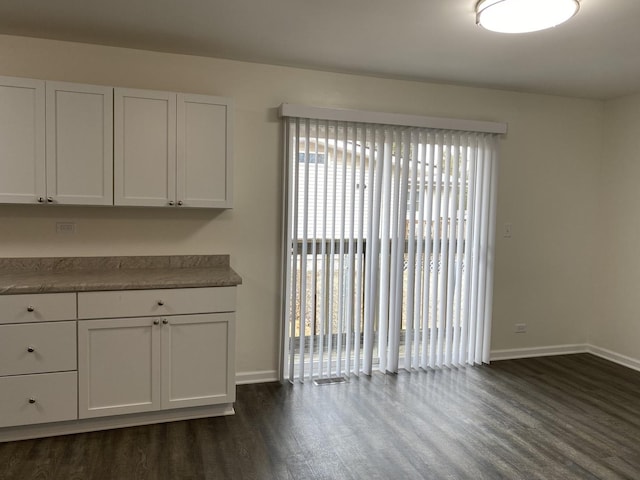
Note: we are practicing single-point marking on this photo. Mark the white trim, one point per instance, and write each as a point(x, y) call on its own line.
point(260, 376)
point(383, 118)
point(538, 351)
point(614, 357)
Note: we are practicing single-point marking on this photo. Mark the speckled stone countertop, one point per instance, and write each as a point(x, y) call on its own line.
point(82, 274)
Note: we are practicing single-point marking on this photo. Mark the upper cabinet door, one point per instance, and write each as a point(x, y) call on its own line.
point(144, 147)
point(79, 144)
point(22, 140)
point(204, 151)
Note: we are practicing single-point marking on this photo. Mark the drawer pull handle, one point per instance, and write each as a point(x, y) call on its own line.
point(165, 321)
point(40, 199)
point(160, 302)
point(50, 199)
point(32, 400)
point(30, 349)
point(30, 308)
point(156, 322)
point(180, 203)
point(172, 203)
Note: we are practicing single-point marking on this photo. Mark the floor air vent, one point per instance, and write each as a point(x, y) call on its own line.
point(329, 381)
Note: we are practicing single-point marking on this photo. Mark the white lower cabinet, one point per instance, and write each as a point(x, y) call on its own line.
point(118, 366)
point(42, 398)
point(143, 364)
point(38, 381)
point(197, 356)
point(37, 348)
point(143, 356)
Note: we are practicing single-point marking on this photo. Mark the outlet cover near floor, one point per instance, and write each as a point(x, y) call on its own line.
point(521, 328)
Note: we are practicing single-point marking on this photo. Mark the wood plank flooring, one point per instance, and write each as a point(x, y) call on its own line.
point(565, 417)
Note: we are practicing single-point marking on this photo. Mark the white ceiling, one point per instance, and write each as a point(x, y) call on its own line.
point(596, 54)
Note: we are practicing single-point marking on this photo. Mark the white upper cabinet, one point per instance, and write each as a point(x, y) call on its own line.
point(63, 156)
point(79, 144)
point(204, 143)
point(73, 144)
point(22, 140)
point(172, 149)
point(144, 147)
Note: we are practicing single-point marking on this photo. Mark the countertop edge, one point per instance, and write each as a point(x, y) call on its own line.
point(19, 282)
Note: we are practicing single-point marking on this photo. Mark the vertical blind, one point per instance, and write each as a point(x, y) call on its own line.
point(388, 247)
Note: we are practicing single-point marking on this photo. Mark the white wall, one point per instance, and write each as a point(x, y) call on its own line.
point(617, 326)
point(548, 185)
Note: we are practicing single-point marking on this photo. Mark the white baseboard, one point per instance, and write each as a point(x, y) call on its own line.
point(261, 376)
point(514, 353)
point(24, 432)
point(614, 357)
point(538, 351)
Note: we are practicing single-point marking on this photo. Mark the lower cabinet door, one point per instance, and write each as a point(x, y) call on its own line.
point(40, 398)
point(118, 366)
point(197, 360)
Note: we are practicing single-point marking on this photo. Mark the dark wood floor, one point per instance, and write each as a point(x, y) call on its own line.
point(566, 417)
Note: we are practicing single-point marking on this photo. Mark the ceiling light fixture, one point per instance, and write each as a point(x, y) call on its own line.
point(520, 16)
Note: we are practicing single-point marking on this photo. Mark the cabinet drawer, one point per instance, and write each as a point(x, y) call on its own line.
point(29, 399)
point(141, 303)
point(37, 347)
point(37, 307)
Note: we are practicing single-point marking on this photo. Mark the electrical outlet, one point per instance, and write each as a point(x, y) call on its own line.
point(520, 328)
point(506, 230)
point(65, 228)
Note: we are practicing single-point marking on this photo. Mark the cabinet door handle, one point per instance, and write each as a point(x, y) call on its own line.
point(165, 321)
point(40, 199)
point(172, 203)
point(32, 400)
point(30, 349)
point(180, 202)
point(30, 308)
point(156, 322)
point(49, 199)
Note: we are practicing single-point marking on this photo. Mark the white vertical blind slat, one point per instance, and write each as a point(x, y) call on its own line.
point(419, 304)
point(435, 277)
point(459, 294)
point(289, 326)
point(359, 273)
point(294, 251)
point(469, 272)
point(323, 253)
point(303, 264)
point(444, 249)
point(385, 247)
point(332, 248)
point(429, 309)
point(410, 328)
point(314, 253)
point(451, 242)
point(343, 226)
point(397, 252)
point(351, 260)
